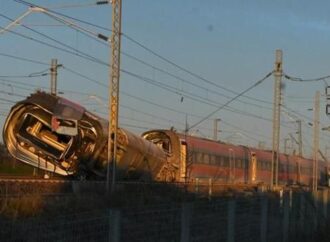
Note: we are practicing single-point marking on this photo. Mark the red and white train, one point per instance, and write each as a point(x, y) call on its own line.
point(57, 135)
point(192, 157)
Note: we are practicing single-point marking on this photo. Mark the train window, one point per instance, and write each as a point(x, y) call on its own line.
point(238, 163)
point(206, 159)
point(219, 160)
point(225, 161)
point(199, 157)
point(212, 160)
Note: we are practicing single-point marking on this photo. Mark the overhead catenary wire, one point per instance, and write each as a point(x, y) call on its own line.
point(26, 3)
point(164, 107)
point(191, 96)
point(299, 79)
point(89, 33)
point(135, 97)
point(24, 59)
point(75, 52)
point(31, 75)
point(68, 47)
point(80, 5)
point(233, 99)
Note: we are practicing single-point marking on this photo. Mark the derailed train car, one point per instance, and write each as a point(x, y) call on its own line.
point(57, 135)
point(193, 157)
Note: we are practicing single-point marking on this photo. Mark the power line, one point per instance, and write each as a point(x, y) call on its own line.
point(166, 87)
point(145, 48)
point(79, 29)
point(306, 80)
point(31, 75)
point(55, 47)
point(24, 59)
point(233, 99)
point(191, 96)
point(50, 38)
point(68, 6)
point(61, 14)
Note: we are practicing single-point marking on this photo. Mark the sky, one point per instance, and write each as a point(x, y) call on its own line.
point(209, 51)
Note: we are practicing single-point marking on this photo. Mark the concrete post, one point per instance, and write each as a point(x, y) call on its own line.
point(302, 214)
point(114, 225)
point(231, 221)
point(314, 210)
point(210, 188)
point(197, 185)
point(286, 217)
point(263, 219)
point(53, 79)
point(185, 222)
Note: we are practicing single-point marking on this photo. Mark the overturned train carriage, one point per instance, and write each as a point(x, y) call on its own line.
point(57, 135)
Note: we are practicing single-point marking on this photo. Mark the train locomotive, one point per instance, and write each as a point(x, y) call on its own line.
point(54, 134)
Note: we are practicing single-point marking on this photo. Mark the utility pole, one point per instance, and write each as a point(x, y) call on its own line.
point(216, 129)
point(316, 141)
point(276, 116)
point(300, 138)
point(114, 92)
point(53, 77)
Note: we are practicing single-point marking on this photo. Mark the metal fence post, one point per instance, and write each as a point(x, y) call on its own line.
point(114, 225)
point(286, 217)
point(314, 210)
point(325, 203)
point(231, 221)
point(197, 185)
point(302, 214)
point(185, 222)
point(263, 219)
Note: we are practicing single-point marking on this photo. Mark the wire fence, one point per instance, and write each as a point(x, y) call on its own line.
point(284, 216)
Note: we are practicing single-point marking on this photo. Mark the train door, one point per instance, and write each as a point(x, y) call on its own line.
point(183, 160)
point(253, 167)
point(232, 165)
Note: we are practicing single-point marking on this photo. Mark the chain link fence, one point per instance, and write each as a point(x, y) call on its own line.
point(284, 216)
